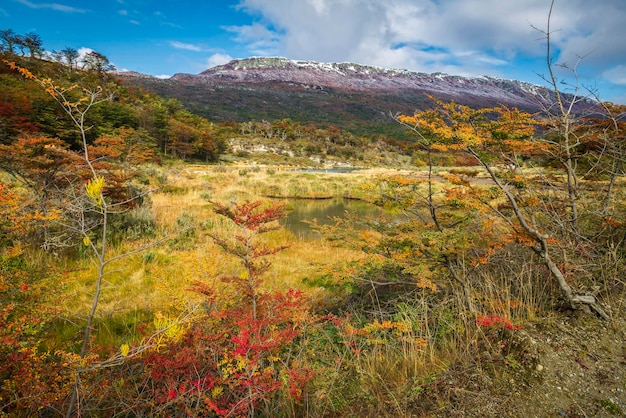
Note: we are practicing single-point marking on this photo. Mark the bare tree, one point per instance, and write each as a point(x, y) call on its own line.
point(67, 56)
point(9, 39)
point(95, 61)
point(34, 44)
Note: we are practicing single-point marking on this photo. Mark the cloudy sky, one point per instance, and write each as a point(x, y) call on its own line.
point(461, 37)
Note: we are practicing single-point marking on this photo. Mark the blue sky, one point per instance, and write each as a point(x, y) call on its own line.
point(460, 37)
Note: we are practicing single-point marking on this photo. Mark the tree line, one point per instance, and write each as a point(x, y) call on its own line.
point(25, 111)
point(31, 45)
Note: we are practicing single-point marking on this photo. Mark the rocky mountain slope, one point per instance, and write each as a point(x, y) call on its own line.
point(350, 77)
point(349, 95)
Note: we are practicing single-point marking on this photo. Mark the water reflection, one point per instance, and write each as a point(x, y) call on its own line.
point(323, 210)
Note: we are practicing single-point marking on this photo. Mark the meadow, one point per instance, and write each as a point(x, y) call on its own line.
point(370, 341)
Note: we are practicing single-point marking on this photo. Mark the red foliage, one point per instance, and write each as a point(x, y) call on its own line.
point(228, 363)
point(496, 321)
point(14, 109)
point(250, 215)
point(239, 356)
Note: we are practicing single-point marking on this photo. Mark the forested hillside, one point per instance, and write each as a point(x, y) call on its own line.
point(166, 128)
point(355, 98)
point(160, 125)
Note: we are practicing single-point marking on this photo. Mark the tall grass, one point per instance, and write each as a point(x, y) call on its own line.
point(159, 278)
point(384, 351)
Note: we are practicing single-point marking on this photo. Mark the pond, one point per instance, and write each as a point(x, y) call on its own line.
point(301, 210)
point(335, 170)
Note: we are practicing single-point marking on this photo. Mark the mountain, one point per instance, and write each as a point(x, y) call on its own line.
point(350, 77)
point(356, 97)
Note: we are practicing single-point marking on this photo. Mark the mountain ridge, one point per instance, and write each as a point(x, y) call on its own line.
point(353, 96)
point(358, 77)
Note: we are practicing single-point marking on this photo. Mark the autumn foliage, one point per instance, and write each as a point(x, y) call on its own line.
point(238, 354)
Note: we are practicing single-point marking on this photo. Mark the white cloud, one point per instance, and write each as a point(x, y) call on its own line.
point(319, 6)
point(163, 76)
point(134, 22)
point(616, 75)
point(345, 27)
point(82, 52)
point(171, 25)
point(187, 47)
point(52, 6)
point(260, 39)
point(471, 37)
point(218, 59)
point(164, 21)
point(123, 12)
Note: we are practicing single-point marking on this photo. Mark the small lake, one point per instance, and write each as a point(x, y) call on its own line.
point(339, 170)
point(300, 210)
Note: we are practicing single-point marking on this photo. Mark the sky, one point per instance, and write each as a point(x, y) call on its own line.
point(498, 38)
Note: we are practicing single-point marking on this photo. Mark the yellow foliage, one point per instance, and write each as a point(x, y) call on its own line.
point(23, 71)
point(409, 120)
point(230, 366)
point(403, 180)
point(399, 327)
point(216, 391)
point(93, 188)
point(424, 283)
point(417, 343)
point(170, 328)
point(439, 147)
point(456, 180)
point(124, 350)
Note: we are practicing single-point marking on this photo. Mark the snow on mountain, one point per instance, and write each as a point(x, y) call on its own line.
point(351, 77)
point(355, 96)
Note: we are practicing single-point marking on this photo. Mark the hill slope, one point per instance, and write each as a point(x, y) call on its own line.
point(348, 95)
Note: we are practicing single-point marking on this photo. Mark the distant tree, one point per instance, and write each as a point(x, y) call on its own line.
point(33, 43)
point(67, 55)
point(95, 61)
point(153, 118)
point(209, 147)
point(265, 129)
point(21, 44)
point(71, 56)
point(117, 114)
point(9, 39)
point(182, 138)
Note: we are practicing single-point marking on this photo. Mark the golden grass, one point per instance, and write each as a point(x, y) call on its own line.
point(371, 378)
point(159, 278)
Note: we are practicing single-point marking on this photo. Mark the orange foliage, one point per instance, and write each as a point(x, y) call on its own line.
point(31, 378)
point(454, 127)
